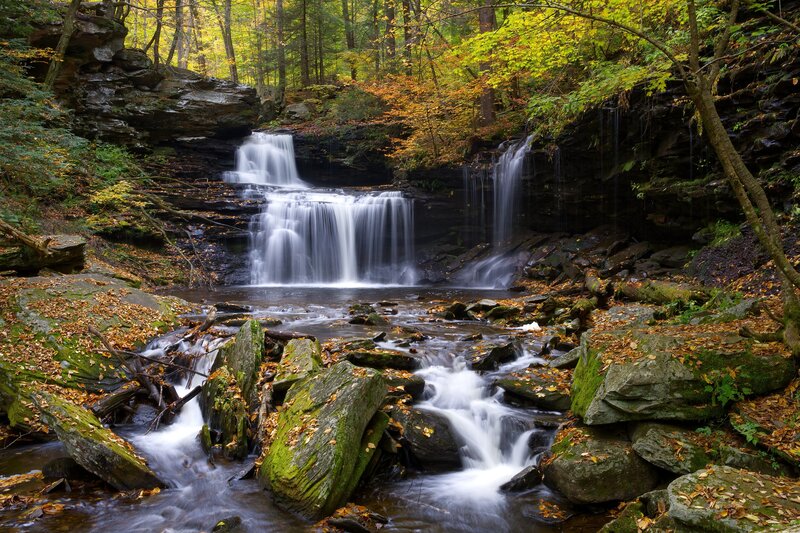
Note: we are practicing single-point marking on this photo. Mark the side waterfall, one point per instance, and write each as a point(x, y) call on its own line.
point(497, 270)
point(313, 236)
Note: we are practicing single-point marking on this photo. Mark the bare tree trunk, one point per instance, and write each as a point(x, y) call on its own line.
point(197, 26)
point(281, 47)
point(408, 37)
point(156, 40)
point(349, 35)
point(376, 38)
point(389, 38)
point(63, 42)
point(305, 74)
point(487, 22)
point(224, 21)
point(320, 44)
point(178, 35)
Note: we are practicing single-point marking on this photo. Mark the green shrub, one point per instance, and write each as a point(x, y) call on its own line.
point(354, 104)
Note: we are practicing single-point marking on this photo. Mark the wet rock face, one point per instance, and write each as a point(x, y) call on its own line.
point(118, 95)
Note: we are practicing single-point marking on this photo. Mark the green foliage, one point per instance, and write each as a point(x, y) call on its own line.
point(748, 429)
point(723, 387)
point(115, 163)
point(723, 231)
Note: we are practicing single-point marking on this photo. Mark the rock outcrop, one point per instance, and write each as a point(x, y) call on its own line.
point(672, 373)
point(119, 96)
point(589, 465)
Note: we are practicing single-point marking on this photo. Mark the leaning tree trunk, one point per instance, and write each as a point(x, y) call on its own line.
point(63, 43)
point(755, 204)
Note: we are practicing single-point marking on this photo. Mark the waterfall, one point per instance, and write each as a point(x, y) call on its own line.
point(266, 159)
point(497, 270)
point(507, 178)
point(312, 236)
point(333, 238)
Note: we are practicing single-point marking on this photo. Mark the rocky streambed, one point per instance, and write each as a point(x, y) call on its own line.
point(398, 409)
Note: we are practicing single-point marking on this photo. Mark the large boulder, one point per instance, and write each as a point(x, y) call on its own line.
point(46, 321)
point(672, 372)
point(591, 465)
point(301, 358)
point(229, 394)
point(427, 436)
point(672, 448)
point(311, 464)
point(723, 499)
point(546, 388)
point(95, 448)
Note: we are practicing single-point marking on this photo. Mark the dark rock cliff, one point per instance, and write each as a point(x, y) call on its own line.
point(119, 96)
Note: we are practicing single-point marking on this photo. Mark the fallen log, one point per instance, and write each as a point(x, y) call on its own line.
point(112, 401)
point(286, 336)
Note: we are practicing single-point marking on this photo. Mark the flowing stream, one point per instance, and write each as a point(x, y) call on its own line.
point(314, 253)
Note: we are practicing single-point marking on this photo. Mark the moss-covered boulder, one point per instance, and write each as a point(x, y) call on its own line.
point(672, 448)
point(226, 413)
point(546, 388)
point(314, 454)
point(94, 447)
point(243, 355)
point(592, 465)
point(301, 358)
point(773, 421)
point(662, 292)
point(378, 358)
point(725, 499)
point(672, 372)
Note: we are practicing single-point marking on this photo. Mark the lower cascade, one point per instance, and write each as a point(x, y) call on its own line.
point(313, 236)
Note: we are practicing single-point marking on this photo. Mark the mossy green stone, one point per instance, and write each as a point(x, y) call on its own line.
point(243, 356)
point(94, 447)
point(301, 357)
point(314, 454)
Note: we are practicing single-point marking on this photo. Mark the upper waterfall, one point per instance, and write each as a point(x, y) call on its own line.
point(266, 159)
point(312, 236)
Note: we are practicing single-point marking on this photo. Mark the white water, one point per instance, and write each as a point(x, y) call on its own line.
point(308, 236)
point(507, 179)
point(497, 270)
point(266, 159)
point(494, 437)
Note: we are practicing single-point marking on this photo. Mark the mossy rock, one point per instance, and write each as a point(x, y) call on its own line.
point(242, 356)
point(591, 465)
point(301, 358)
point(546, 388)
point(94, 447)
point(725, 499)
point(671, 373)
point(428, 437)
point(315, 452)
point(663, 292)
point(491, 357)
point(226, 412)
point(669, 447)
point(627, 520)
